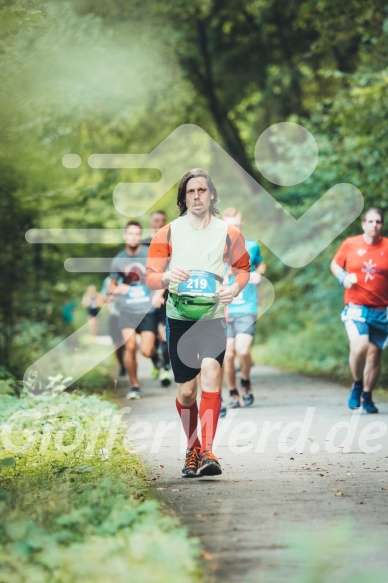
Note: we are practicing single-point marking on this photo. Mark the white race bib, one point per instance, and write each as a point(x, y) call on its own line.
point(201, 283)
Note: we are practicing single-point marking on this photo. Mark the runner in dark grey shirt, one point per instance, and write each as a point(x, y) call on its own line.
point(136, 304)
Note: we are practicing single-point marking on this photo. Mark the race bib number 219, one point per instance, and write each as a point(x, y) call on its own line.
point(200, 283)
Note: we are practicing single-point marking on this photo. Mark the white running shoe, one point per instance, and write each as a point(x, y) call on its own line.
point(134, 393)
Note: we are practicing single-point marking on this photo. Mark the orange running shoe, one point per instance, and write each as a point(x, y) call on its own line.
point(208, 465)
point(191, 463)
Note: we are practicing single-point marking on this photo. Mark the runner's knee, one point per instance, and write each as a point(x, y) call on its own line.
point(209, 376)
point(187, 391)
point(358, 350)
point(243, 351)
point(374, 355)
point(130, 346)
point(229, 354)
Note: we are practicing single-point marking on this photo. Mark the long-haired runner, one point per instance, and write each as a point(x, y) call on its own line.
point(188, 257)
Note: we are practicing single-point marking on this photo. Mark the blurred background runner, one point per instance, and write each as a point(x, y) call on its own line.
point(361, 266)
point(242, 317)
point(161, 360)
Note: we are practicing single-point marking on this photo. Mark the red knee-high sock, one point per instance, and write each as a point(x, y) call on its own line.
point(189, 419)
point(209, 411)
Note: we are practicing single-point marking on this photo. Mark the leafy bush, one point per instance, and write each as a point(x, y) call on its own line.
point(74, 501)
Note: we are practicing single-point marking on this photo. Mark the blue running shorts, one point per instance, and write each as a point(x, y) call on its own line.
point(361, 320)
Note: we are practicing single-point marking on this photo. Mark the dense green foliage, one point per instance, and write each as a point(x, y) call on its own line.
point(112, 76)
point(74, 500)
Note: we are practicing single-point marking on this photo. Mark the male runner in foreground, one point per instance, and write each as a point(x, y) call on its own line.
point(188, 257)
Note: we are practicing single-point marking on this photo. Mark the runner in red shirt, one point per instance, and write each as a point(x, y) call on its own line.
point(361, 266)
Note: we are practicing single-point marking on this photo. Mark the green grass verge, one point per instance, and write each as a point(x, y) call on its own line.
point(307, 351)
point(74, 501)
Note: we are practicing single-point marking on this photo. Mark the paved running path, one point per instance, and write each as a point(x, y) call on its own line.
point(268, 492)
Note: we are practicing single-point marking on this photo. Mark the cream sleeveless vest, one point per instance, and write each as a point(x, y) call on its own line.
point(199, 249)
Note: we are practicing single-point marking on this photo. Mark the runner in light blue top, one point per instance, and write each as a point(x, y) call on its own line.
point(242, 316)
point(247, 301)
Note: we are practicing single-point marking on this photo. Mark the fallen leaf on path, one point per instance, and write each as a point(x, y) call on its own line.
point(161, 466)
point(175, 490)
point(384, 488)
point(350, 473)
point(338, 493)
point(162, 488)
point(207, 556)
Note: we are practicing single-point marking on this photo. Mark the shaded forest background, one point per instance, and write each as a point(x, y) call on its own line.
point(117, 76)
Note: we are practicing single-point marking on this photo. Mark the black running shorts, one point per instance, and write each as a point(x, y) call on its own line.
point(139, 322)
point(161, 314)
point(190, 342)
